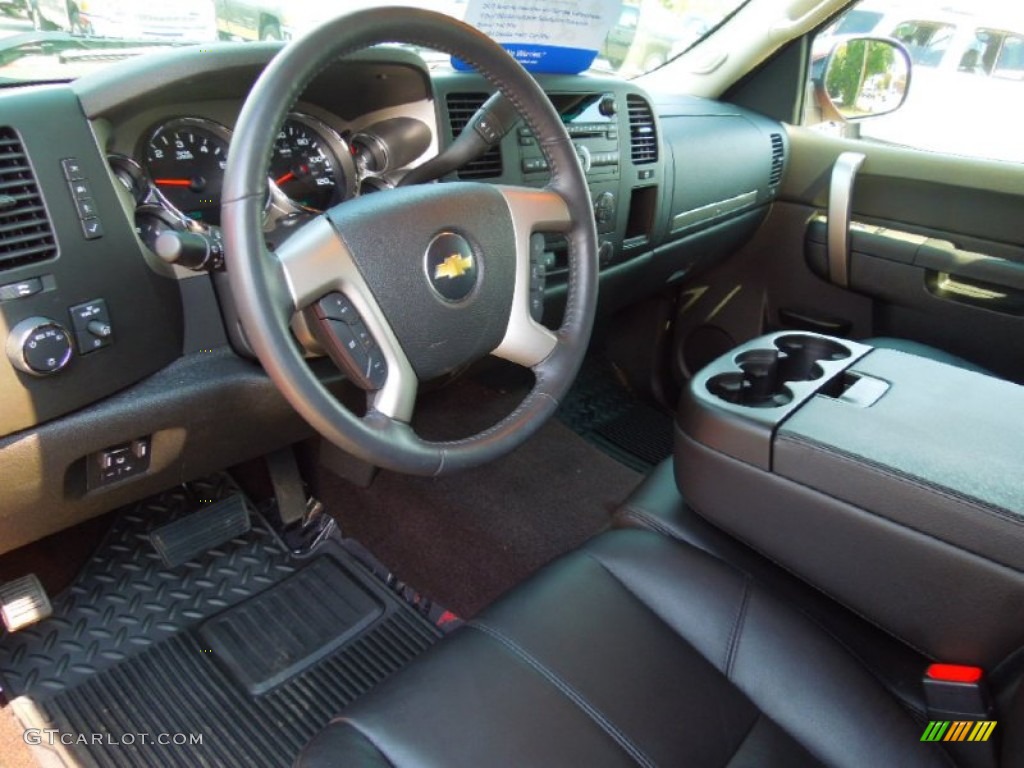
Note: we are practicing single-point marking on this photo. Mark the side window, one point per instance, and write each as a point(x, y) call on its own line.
point(966, 79)
point(925, 41)
point(982, 52)
point(1010, 62)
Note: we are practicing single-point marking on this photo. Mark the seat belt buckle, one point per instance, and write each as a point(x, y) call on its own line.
point(960, 714)
point(956, 692)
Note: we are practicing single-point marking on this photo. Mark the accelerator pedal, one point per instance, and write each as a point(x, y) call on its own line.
point(192, 535)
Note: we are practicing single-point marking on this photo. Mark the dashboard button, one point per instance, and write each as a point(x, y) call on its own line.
point(86, 208)
point(80, 190)
point(92, 228)
point(72, 169)
point(20, 290)
point(99, 329)
point(92, 327)
point(39, 346)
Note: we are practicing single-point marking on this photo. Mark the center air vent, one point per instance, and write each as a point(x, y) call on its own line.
point(642, 134)
point(462, 107)
point(25, 233)
point(778, 159)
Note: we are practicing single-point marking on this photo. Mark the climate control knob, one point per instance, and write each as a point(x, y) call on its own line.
point(39, 346)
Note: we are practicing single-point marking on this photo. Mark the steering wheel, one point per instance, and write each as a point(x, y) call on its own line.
point(403, 286)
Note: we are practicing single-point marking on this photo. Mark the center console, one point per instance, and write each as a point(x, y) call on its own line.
point(889, 481)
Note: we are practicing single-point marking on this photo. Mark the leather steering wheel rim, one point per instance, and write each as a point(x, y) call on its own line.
point(263, 284)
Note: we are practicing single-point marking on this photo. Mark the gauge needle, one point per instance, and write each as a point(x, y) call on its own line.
point(284, 179)
point(173, 182)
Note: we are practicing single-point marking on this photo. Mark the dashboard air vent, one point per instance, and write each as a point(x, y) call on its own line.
point(642, 134)
point(25, 233)
point(778, 159)
point(461, 107)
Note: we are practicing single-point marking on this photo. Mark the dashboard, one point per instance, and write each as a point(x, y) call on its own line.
point(127, 370)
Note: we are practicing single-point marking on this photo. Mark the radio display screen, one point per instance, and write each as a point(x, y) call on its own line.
point(579, 108)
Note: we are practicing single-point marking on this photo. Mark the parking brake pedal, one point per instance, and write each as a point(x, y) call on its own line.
point(23, 602)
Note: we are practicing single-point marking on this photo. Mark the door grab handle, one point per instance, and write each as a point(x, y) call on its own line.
point(840, 206)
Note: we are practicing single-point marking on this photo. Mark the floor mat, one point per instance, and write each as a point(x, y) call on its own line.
point(236, 657)
point(602, 410)
point(466, 538)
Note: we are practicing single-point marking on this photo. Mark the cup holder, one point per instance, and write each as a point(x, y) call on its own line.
point(801, 355)
point(758, 384)
point(763, 375)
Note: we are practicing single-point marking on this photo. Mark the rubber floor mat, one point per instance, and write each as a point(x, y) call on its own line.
point(643, 433)
point(600, 408)
point(200, 664)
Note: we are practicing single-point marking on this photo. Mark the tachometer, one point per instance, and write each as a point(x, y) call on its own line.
point(185, 159)
point(311, 164)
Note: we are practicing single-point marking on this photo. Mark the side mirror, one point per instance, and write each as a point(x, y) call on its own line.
point(864, 77)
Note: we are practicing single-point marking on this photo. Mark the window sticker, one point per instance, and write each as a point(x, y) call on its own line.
point(554, 36)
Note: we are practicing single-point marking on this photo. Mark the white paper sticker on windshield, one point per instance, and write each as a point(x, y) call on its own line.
point(547, 35)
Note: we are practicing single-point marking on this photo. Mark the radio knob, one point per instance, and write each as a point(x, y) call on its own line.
point(39, 346)
point(607, 105)
point(584, 155)
point(604, 208)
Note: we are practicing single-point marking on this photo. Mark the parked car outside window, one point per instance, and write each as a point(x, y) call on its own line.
point(967, 81)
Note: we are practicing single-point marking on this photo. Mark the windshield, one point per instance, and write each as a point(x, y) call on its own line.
point(43, 40)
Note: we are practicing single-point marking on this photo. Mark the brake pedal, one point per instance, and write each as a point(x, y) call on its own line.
point(24, 602)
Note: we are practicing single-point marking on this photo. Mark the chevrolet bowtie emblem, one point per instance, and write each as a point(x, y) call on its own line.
point(454, 266)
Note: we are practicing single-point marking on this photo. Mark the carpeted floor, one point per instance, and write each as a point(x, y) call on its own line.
point(465, 539)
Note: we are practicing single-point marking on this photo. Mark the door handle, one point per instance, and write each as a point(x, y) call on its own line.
point(840, 208)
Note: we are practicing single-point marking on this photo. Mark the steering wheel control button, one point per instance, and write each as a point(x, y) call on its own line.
point(39, 346)
point(336, 306)
point(21, 290)
point(363, 336)
point(91, 325)
point(341, 331)
point(538, 275)
point(376, 368)
point(451, 267)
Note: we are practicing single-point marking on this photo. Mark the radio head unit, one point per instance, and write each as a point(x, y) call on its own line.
point(591, 120)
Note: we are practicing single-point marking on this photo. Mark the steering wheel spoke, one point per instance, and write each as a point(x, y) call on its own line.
point(526, 341)
point(336, 313)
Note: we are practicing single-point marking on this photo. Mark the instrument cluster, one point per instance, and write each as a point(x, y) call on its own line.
point(176, 174)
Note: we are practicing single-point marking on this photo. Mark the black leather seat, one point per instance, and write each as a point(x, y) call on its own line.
point(636, 649)
point(657, 505)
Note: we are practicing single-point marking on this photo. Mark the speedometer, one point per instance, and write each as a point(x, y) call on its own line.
point(185, 159)
point(311, 164)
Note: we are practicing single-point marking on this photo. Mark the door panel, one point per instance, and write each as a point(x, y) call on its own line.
point(955, 281)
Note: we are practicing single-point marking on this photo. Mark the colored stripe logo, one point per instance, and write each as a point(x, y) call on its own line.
point(958, 730)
